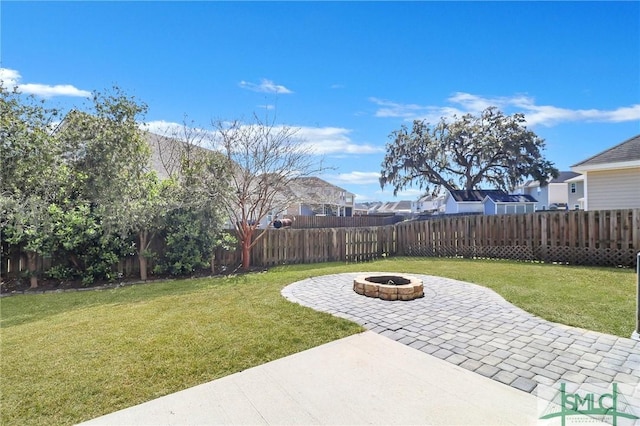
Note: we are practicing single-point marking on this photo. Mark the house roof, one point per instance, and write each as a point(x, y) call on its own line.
point(511, 198)
point(402, 206)
point(579, 178)
point(313, 190)
point(626, 151)
point(311, 182)
point(476, 195)
point(561, 178)
point(529, 183)
point(361, 206)
point(167, 153)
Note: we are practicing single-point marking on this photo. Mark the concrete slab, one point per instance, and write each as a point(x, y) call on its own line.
point(461, 321)
point(362, 379)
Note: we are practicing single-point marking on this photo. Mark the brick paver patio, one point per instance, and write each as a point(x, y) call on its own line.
point(475, 328)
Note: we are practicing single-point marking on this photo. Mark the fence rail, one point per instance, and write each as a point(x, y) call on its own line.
point(305, 222)
point(602, 238)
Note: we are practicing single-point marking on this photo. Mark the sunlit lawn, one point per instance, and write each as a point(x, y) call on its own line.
point(68, 357)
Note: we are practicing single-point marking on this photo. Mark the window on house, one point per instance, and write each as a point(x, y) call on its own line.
point(573, 188)
point(539, 190)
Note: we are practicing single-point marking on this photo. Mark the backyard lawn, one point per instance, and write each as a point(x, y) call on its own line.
point(69, 357)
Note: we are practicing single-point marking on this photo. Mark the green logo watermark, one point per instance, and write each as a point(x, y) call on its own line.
point(596, 406)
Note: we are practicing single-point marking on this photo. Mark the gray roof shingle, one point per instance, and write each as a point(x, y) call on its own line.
point(512, 198)
point(475, 195)
point(563, 177)
point(628, 150)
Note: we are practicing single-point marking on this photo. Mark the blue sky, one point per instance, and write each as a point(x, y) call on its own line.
point(346, 73)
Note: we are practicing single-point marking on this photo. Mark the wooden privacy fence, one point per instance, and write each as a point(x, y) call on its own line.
point(280, 246)
point(603, 238)
point(599, 238)
point(606, 238)
point(305, 222)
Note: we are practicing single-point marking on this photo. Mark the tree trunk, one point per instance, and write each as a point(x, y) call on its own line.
point(32, 266)
point(245, 234)
point(246, 252)
point(213, 263)
point(142, 235)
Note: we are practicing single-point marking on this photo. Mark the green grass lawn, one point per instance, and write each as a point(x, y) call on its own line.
point(69, 357)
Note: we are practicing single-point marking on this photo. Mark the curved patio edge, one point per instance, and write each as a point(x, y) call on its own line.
point(475, 328)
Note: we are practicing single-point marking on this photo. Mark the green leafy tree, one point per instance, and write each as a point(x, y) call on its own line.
point(491, 149)
point(110, 159)
point(193, 226)
point(31, 174)
point(82, 248)
point(106, 150)
point(189, 242)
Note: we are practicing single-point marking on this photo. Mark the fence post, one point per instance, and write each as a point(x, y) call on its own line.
point(636, 333)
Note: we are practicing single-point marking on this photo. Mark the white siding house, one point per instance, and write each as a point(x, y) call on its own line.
point(614, 189)
point(427, 204)
point(612, 177)
point(556, 192)
point(316, 196)
point(576, 193)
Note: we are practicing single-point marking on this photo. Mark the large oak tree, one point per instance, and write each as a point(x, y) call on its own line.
point(468, 152)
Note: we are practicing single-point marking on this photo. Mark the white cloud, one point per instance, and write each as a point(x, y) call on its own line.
point(394, 109)
point(624, 114)
point(47, 91)
point(196, 135)
point(11, 78)
point(363, 198)
point(356, 178)
point(387, 195)
point(265, 86)
point(462, 103)
point(411, 193)
point(333, 140)
point(161, 127)
point(318, 140)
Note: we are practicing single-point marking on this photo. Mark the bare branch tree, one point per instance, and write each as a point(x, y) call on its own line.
point(264, 159)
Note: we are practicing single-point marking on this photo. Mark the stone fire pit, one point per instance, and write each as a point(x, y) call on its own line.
point(389, 287)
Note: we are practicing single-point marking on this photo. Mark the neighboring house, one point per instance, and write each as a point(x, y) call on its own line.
point(313, 195)
point(428, 204)
point(561, 192)
point(402, 207)
point(361, 209)
point(168, 153)
point(461, 201)
point(575, 191)
point(612, 177)
point(508, 203)
point(319, 197)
